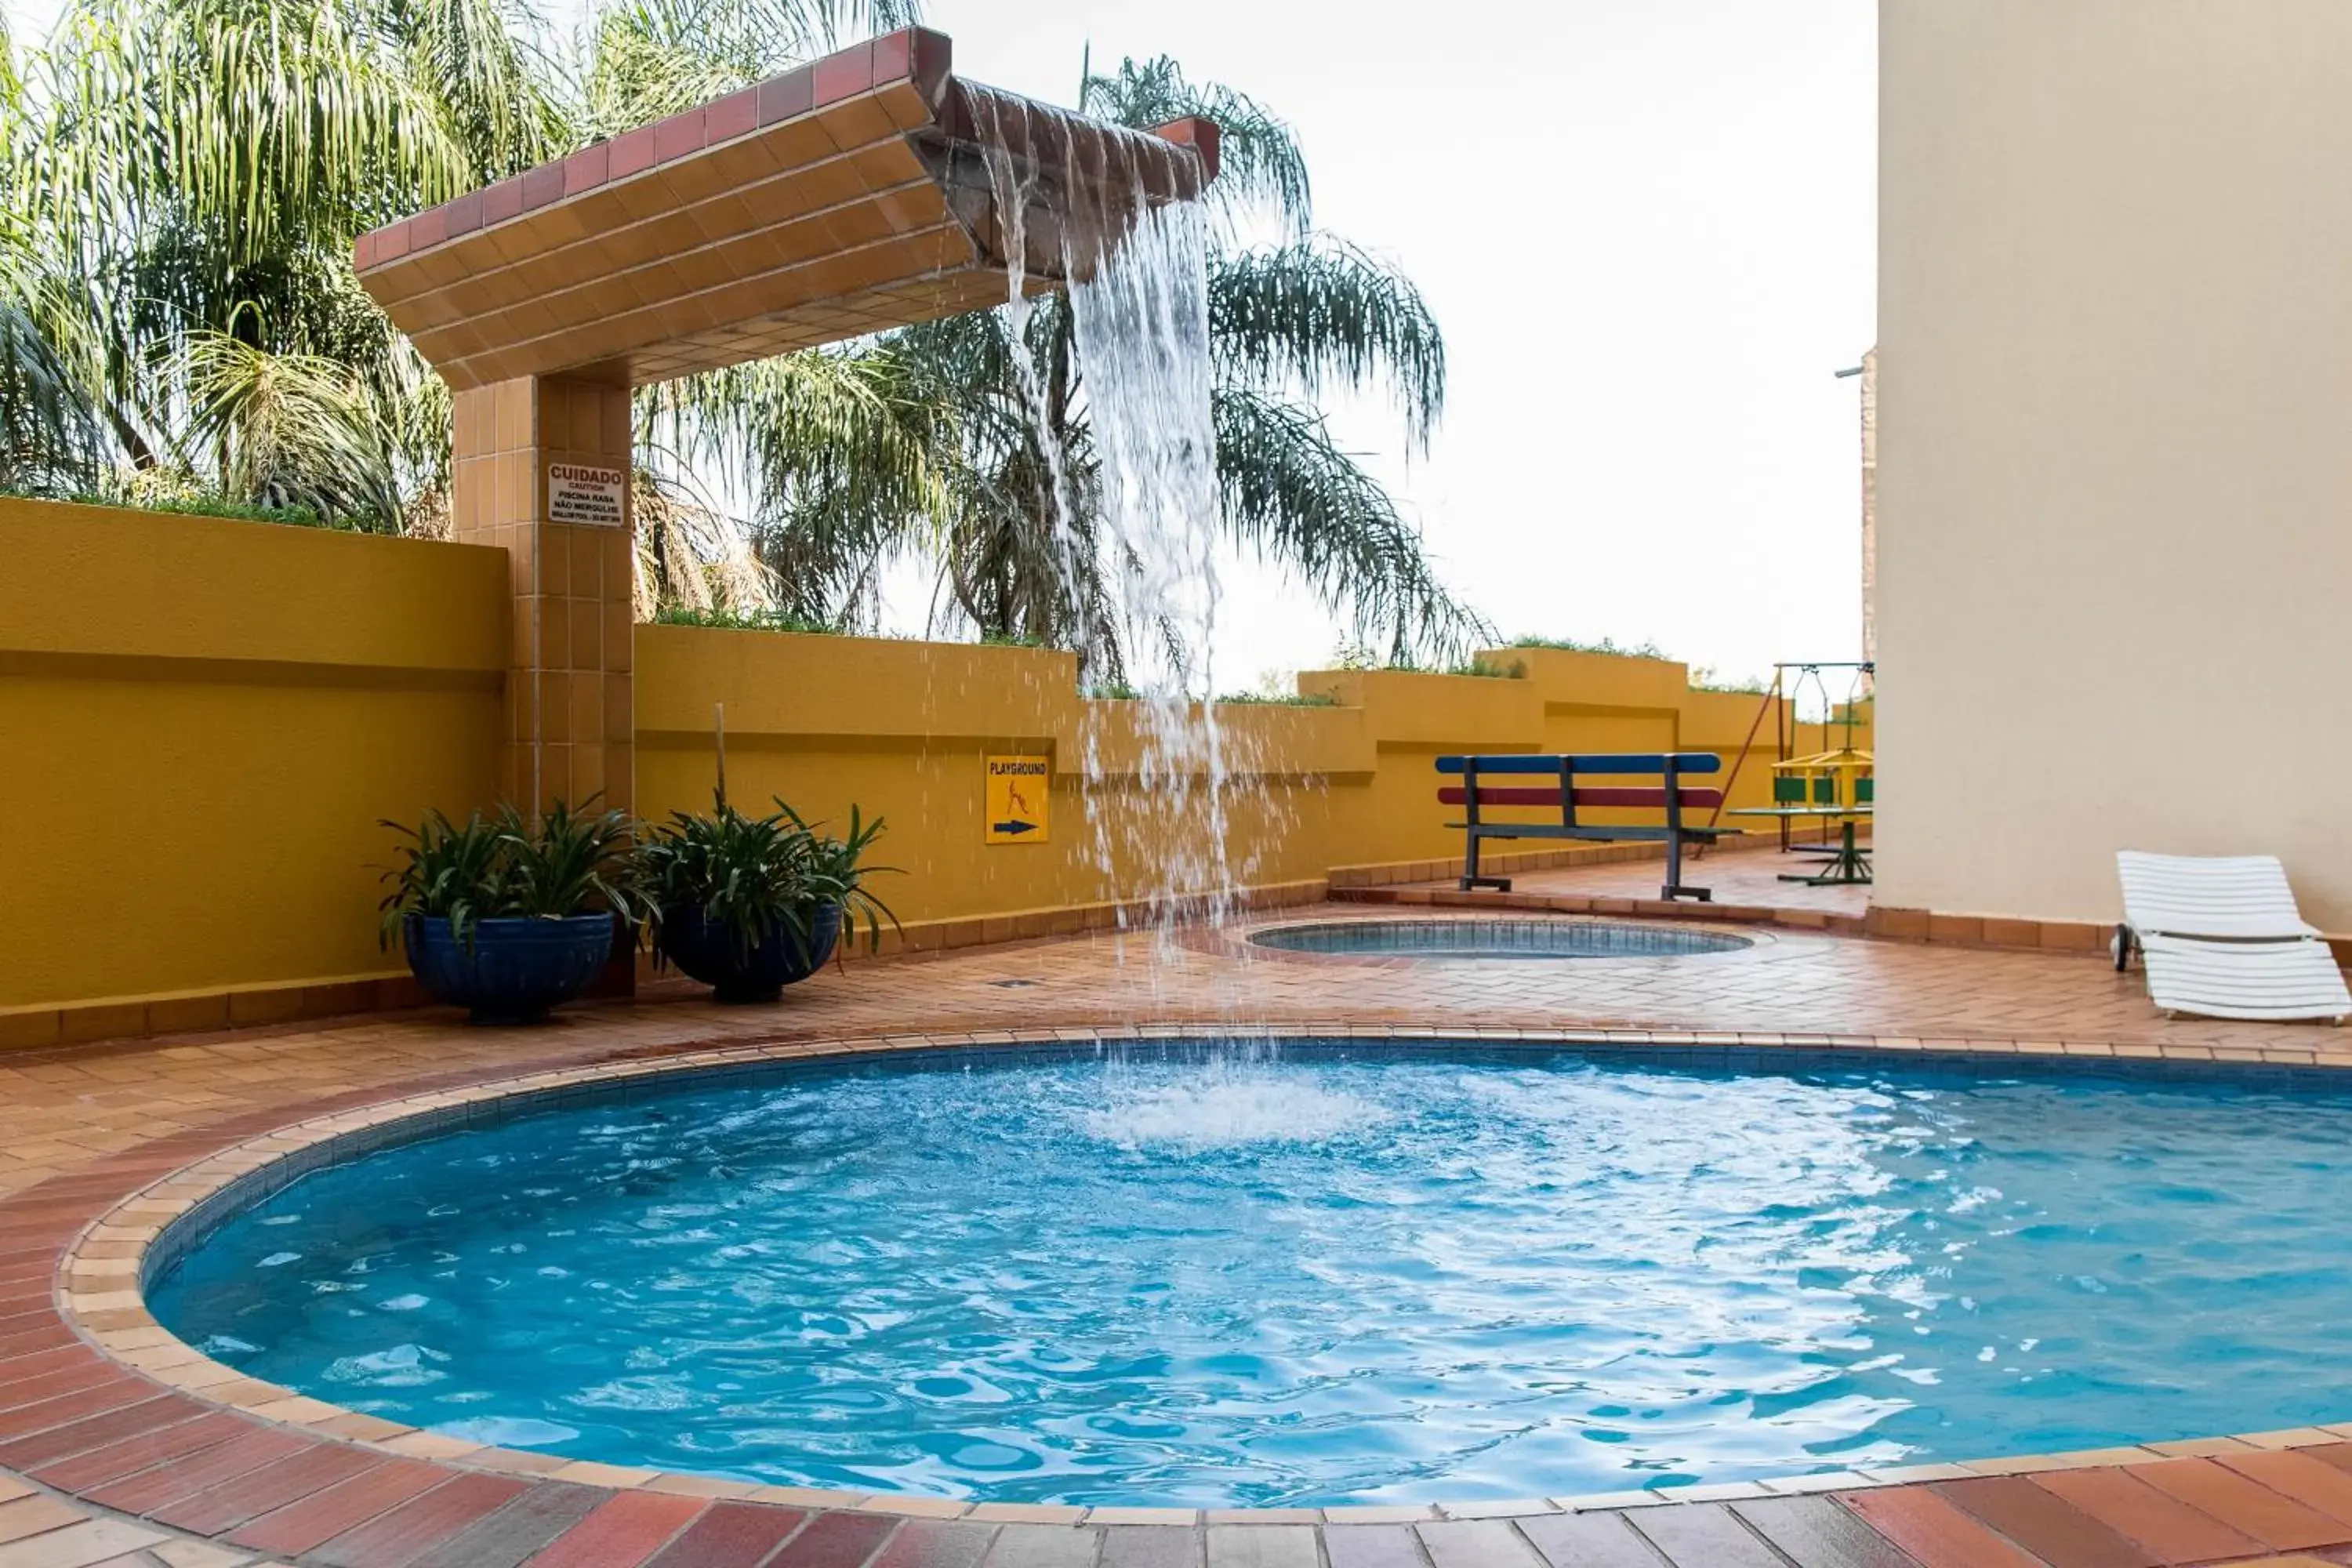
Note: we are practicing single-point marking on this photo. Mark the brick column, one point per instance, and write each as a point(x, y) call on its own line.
point(570, 730)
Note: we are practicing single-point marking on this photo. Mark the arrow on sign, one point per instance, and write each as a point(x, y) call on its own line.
point(1012, 826)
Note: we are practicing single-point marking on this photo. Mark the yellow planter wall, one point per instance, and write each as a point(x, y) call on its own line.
point(200, 723)
point(204, 720)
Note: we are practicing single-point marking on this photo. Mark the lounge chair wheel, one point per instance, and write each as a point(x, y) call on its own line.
point(2119, 949)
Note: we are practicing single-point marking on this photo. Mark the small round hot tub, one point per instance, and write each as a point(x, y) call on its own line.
point(1488, 939)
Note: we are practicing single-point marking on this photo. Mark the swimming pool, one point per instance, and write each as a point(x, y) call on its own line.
point(1344, 1274)
point(1497, 939)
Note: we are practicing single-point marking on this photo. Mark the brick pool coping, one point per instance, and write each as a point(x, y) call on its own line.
point(102, 1404)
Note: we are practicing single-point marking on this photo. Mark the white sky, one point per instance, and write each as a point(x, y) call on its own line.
point(1647, 228)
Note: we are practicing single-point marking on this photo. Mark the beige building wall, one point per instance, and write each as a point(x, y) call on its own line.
point(2114, 446)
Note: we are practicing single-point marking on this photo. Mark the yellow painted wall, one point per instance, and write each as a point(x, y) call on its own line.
point(200, 722)
point(204, 720)
point(902, 729)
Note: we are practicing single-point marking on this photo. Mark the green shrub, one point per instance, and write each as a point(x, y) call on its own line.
point(741, 620)
point(1358, 656)
point(240, 511)
point(197, 505)
point(569, 862)
point(1280, 700)
point(1489, 667)
point(1605, 646)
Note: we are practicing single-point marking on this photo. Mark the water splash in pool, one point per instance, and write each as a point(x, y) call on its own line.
point(1225, 1106)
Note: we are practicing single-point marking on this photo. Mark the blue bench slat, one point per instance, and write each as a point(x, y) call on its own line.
point(1587, 763)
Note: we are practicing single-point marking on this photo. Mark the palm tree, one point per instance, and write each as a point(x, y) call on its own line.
point(196, 171)
point(180, 184)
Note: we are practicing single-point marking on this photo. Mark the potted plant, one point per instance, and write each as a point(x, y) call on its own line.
point(506, 917)
point(750, 905)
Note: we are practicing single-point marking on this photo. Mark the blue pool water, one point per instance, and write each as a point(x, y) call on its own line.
point(1317, 1278)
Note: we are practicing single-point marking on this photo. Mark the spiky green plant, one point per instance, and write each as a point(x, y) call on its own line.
point(503, 867)
point(753, 876)
point(571, 862)
point(837, 872)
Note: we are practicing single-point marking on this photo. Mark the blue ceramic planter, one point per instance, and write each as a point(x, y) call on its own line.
point(514, 970)
point(710, 953)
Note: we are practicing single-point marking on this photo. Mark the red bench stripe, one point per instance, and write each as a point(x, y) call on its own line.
point(1515, 794)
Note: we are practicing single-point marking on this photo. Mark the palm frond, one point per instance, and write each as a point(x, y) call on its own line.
point(269, 125)
point(1319, 315)
point(483, 63)
point(1291, 493)
point(291, 430)
point(650, 58)
point(1261, 166)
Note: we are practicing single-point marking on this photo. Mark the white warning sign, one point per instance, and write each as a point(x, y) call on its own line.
point(581, 494)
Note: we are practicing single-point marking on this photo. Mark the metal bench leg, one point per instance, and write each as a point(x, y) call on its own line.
point(1673, 888)
point(1471, 880)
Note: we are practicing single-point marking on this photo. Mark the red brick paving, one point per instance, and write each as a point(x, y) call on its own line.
point(316, 1466)
point(622, 1532)
point(184, 1479)
point(2171, 1531)
point(2046, 1524)
point(314, 1520)
point(730, 1535)
point(1934, 1532)
point(835, 1540)
point(2280, 1523)
point(2299, 1476)
point(397, 1538)
point(85, 1471)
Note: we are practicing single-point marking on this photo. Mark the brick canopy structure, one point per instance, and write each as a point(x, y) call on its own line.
point(850, 195)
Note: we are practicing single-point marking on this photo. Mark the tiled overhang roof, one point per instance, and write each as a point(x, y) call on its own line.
point(851, 195)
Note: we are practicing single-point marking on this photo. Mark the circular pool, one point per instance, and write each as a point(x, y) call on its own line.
point(1343, 1272)
point(1506, 939)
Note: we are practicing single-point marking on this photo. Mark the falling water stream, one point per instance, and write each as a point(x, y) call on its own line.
point(1137, 512)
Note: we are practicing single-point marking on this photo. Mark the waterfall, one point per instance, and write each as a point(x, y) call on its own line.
point(1134, 490)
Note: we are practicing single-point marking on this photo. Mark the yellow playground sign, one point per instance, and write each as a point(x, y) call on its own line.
point(1019, 806)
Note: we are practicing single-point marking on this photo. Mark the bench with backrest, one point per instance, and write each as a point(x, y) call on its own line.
point(1564, 791)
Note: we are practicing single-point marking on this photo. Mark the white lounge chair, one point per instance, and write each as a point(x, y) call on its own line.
point(2221, 937)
